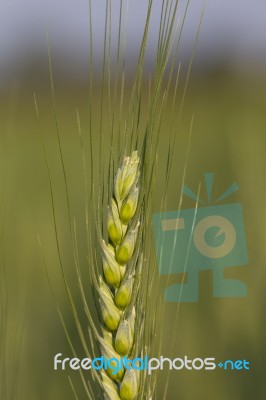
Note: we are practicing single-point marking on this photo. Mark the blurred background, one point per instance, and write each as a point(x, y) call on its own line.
point(226, 95)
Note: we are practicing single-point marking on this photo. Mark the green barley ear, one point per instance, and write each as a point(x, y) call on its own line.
point(118, 290)
point(127, 323)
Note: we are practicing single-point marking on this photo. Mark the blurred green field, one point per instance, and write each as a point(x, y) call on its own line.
point(228, 139)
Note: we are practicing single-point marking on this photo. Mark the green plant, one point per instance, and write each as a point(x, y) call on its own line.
point(120, 305)
point(125, 125)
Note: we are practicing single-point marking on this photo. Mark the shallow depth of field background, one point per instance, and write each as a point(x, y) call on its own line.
point(227, 96)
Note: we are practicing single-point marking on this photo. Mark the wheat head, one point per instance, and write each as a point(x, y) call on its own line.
point(118, 287)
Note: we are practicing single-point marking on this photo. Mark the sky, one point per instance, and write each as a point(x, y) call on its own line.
point(232, 29)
